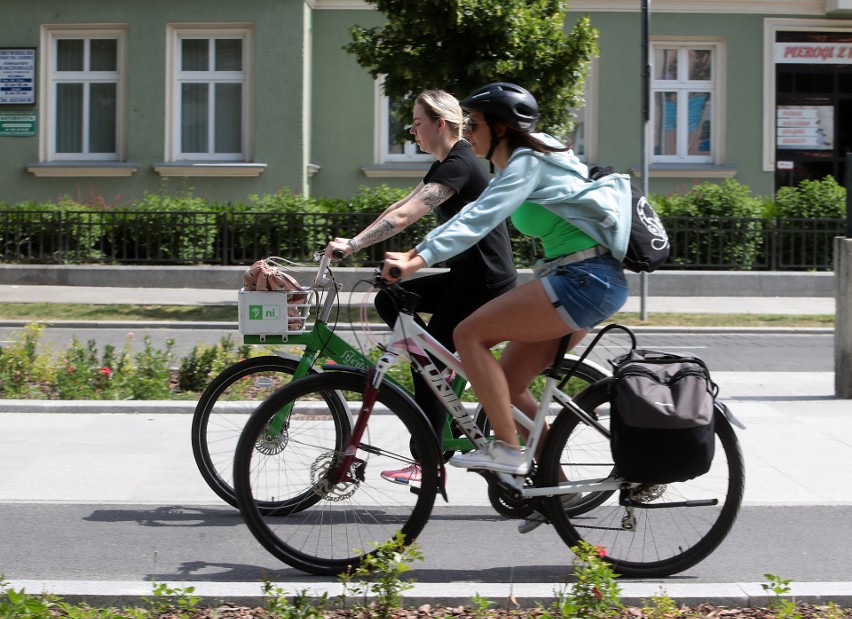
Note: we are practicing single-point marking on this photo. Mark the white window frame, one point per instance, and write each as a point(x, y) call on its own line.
point(175, 77)
point(587, 117)
point(715, 86)
point(383, 154)
point(50, 35)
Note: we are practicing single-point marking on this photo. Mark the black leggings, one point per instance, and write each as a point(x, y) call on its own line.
point(449, 298)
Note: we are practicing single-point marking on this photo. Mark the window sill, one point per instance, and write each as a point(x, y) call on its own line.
point(185, 169)
point(69, 169)
point(396, 170)
point(685, 170)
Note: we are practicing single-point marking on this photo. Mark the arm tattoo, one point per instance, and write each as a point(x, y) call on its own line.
point(434, 194)
point(382, 230)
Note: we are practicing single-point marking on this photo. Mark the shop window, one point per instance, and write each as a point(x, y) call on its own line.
point(685, 106)
point(85, 94)
point(209, 101)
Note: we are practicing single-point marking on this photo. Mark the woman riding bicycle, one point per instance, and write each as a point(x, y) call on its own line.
point(476, 275)
point(579, 284)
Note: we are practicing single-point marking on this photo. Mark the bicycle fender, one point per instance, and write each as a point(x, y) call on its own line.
point(285, 355)
point(334, 367)
point(729, 415)
point(603, 370)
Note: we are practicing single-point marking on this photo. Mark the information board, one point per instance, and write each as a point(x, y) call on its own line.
point(17, 124)
point(17, 76)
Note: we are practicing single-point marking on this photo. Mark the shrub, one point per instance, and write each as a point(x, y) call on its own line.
point(732, 228)
point(810, 199)
point(804, 214)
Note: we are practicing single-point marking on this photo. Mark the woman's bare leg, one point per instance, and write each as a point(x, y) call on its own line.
point(524, 315)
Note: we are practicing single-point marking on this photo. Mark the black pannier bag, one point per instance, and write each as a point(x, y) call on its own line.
point(661, 417)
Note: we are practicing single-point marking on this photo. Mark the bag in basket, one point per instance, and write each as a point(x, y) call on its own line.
point(266, 276)
point(661, 417)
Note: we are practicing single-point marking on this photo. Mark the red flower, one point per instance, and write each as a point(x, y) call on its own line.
point(597, 593)
point(601, 551)
point(106, 371)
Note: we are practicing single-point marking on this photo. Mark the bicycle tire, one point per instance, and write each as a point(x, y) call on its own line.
point(347, 521)
point(663, 540)
point(223, 410)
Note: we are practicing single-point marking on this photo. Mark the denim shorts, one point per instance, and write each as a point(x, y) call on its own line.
point(587, 293)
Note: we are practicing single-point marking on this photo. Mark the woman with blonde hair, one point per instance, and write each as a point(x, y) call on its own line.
point(475, 276)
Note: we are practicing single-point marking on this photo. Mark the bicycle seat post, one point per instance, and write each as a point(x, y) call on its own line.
point(554, 370)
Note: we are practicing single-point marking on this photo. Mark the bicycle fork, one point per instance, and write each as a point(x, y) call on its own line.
point(351, 469)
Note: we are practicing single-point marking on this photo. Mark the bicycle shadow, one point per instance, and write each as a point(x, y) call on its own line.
point(170, 516)
point(203, 571)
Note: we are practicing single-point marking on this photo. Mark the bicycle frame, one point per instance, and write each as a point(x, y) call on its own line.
point(410, 341)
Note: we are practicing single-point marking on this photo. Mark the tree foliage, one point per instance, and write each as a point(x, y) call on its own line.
point(459, 45)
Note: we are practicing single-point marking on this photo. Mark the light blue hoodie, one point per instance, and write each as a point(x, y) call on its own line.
point(601, 208)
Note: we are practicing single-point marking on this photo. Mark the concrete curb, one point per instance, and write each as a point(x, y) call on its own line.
point(524, 595)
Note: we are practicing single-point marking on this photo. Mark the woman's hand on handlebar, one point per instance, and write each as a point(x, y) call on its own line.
point(338, 249)
point(400, 265)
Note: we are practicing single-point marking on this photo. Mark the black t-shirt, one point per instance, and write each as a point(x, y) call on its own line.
point(489, 263)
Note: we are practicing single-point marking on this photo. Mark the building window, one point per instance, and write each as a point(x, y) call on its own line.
point(583, 139)
point(685, 112)
point(209, 95)
point(390, 127)
point(85, 95)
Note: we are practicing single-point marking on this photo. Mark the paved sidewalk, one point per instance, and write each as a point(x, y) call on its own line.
point(191, 296)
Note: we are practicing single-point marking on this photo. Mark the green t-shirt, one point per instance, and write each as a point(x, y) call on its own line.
point(558, 237)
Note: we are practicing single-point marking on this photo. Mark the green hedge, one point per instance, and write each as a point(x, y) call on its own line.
point(710, 225)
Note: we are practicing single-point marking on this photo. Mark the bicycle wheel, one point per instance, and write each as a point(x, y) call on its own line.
point(341, 522)
point(223, 410)
point(677, 525)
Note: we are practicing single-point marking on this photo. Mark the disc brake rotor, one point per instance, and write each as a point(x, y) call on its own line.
point(323, 486)
point(271, 444)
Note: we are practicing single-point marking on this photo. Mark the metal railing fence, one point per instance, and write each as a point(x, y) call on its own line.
point(237, 238)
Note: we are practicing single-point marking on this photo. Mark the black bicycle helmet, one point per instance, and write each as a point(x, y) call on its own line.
point(512, 104)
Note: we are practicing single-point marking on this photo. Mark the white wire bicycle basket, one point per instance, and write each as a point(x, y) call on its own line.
point(280, 307)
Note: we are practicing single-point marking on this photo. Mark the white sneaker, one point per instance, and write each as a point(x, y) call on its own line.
point(536, 519)
point(496, 456)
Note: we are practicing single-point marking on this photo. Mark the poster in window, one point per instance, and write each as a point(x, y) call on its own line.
point(805, 127)
point(17, 76)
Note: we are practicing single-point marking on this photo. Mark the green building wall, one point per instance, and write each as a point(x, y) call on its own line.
point(314, 108)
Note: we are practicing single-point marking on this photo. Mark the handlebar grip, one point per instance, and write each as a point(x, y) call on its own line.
point(337, 254)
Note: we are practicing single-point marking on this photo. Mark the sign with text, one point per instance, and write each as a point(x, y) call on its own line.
point(17, 124)
point(813, 53)
point(805, 127)
point(17, 76)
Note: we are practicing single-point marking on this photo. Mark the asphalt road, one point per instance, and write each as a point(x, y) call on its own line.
point(174, 543)
point(755, 350)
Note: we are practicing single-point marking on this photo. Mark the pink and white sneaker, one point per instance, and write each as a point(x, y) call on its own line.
point(407, 476)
